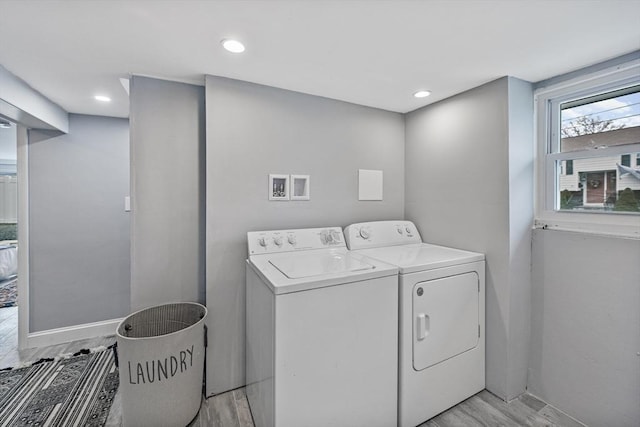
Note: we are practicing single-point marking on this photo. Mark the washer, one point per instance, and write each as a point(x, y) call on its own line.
point(322, 332)
point(442, 317)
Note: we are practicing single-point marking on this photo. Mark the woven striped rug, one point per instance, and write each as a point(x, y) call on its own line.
point(68, 391)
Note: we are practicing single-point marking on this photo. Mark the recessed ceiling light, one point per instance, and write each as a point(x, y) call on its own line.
point(233, 46)
point(102, 98)
point(422, 94)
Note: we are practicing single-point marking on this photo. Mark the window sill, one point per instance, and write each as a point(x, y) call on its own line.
point(626, 226)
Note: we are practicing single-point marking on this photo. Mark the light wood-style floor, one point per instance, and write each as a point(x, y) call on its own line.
point(8, 335)
point(486, 410)
point(231, 409)
point(482, 410)
point(10, 356)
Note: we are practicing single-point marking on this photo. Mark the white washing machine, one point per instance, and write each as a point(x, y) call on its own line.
point(322, 332)
point(442, 317)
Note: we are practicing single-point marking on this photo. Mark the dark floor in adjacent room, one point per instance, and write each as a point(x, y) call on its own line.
point(231, 409)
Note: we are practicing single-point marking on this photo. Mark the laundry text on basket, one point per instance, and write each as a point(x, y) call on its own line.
point(150, 371)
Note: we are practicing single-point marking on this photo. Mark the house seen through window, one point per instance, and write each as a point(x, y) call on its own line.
point(597, 173)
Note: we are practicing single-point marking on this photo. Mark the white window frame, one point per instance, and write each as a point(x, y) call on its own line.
point(547, 115)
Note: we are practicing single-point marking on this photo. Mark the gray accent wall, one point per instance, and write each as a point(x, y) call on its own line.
point(632, 56)
point(78, 230)
point(468, 175)
point(585, 329)
point(255, 130)
point(167, 192)
point(520, 205)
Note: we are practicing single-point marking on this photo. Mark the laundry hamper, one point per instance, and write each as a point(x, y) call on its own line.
point(161, 354)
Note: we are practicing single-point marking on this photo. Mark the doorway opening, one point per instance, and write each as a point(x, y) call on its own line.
point(8, 243)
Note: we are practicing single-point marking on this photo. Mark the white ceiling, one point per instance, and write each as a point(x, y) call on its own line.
point(374, 53)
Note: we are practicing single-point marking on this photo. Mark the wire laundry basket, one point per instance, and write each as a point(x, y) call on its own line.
point(161, 354)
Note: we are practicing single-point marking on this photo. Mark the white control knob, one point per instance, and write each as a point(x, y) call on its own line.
point(278, 240)
point(292, 240)
point(364, 233)
point(408, 230)
point(262, 241)
point(399, 230)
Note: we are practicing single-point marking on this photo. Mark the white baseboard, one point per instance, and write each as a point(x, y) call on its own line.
point(72, 333)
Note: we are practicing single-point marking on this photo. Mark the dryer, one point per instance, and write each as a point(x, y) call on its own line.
point(322, 332)
point(441, 292)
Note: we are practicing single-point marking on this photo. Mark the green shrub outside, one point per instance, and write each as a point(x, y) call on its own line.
point(626, 202)
point(565, 197)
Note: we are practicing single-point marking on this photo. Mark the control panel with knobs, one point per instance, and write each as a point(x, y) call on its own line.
point(268, 242)
point(381, 233)
point(364, 233)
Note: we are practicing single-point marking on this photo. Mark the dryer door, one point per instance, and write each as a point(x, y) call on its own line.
point(445, 318)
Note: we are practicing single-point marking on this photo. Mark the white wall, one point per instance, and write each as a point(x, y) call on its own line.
point(254, 130)
point(585, 331)
point(8, 146)
point(8, 183)
point(22, 104)
point(167, 192)
point(79, 256)
point(8, 199)
point(469, 185)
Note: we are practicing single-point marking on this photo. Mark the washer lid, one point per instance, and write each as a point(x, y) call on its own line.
point(301, 271)
point(421, 256)
point(318, 264)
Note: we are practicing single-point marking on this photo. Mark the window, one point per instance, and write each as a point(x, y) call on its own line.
point(588, 132)
point(569, 164)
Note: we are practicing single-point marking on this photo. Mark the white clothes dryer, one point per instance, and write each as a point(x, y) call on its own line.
point(322, 332)
point(442, 317)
